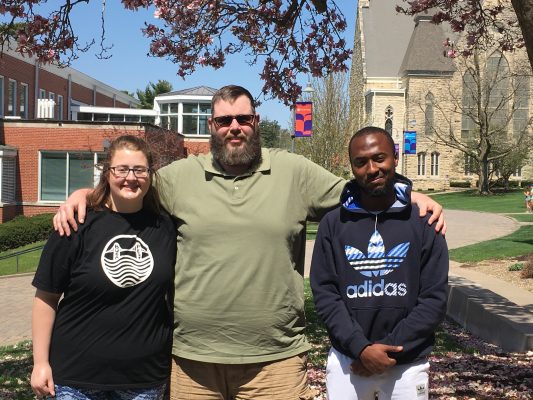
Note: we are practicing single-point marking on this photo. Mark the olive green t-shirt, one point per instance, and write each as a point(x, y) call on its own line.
point(240, 254)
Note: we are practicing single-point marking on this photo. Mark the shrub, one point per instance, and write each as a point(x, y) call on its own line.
point(460, 184)
point(516, 267)
point(22, 230)
point(527, 270)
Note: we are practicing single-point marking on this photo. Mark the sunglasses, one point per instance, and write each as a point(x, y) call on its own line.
point(226, 120)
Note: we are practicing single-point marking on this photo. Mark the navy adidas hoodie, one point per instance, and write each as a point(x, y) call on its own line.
point(380, 277)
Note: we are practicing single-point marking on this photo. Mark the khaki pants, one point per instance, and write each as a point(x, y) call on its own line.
point(277, 380)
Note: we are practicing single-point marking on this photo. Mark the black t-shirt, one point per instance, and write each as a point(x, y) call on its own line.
point(113, 328)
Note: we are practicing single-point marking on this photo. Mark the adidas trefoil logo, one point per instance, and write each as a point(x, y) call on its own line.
point(376, 263)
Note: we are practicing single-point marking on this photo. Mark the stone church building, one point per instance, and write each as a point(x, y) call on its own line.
point(404, 80)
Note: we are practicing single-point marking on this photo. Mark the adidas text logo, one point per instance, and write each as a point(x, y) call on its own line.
point(369, 289)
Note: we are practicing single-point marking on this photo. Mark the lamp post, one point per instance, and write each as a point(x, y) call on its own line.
point(398, 140)
point(308, 92)
point(306, 97)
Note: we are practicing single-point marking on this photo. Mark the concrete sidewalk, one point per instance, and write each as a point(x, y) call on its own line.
point(16, 297)
point(489, 307)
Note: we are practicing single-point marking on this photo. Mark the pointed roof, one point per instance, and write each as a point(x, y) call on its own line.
point(194, 91)
point(425, 52)
point(386, 36)
point(394, 43)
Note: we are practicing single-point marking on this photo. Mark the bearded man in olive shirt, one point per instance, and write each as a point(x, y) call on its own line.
point(241, 212)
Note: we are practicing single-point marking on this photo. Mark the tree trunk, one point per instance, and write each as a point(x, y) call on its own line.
point(484, 151)
point(524, 12)
point(483, 185)
point(506, 183)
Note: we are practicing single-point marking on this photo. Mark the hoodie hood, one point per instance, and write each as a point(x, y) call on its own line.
point(402, 188)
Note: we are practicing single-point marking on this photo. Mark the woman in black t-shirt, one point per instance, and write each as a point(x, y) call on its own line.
point(110, 335)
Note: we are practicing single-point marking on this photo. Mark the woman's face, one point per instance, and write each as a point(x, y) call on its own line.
point(128, 188)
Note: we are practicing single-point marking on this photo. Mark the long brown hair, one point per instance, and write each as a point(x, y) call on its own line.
point(99, 198)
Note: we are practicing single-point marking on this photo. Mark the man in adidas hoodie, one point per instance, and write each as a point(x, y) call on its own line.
point(379, 276)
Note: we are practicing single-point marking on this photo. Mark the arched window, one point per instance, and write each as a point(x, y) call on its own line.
point(521, 93)
point(434, 163)
point(421, 164)
point(429, 127)
point(469, 105)
point(497, 90)
point(389, 113)
point(470, 165)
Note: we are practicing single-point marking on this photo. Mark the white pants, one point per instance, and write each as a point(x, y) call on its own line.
point(401, 382)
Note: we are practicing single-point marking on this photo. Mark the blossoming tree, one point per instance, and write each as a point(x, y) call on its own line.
point(286, 37)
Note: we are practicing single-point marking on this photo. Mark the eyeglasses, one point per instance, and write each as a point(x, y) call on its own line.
point(122, 171)
point(226, 120)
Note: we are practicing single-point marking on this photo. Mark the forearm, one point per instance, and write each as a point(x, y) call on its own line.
point(43, 317)
point(65, 219)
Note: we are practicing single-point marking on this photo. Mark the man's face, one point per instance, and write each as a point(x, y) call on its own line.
point(235, 141)
point(373, 163)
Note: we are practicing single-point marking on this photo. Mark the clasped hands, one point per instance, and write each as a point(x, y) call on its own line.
point(374, 359)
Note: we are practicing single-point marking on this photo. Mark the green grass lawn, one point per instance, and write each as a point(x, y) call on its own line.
point(511, 202)
point(523, 217)
point(516, 244)
point(26, 262)
point(311, 230)
point(15, 369)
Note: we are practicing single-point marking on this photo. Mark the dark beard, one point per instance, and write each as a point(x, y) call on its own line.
point(250, 154)
point(378, 192)
point(383, 191)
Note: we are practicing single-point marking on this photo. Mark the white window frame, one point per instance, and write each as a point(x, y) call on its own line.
point(469, 161)
point(24, 93)
point(96, 172)
point(198, 115)
point(435, 163)
point(168, 119)
point(421, 164)
point(59, 107)
point(2, 94)
point(389, 119)
point(13, 101)
point(8, 181)
point(42, 94)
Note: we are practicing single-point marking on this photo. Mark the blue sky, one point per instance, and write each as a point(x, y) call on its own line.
point(130, 68)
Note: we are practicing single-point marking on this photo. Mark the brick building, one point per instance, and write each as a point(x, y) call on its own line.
point(48, 146)
point(24, 81)
point(403, 81)
point(45, 161)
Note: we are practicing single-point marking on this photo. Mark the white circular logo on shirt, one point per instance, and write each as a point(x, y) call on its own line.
point(127, 260)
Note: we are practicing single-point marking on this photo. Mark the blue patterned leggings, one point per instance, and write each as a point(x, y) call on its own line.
point(71, 393)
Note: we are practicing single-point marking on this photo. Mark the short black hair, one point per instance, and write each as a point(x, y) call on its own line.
point(367, 131)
